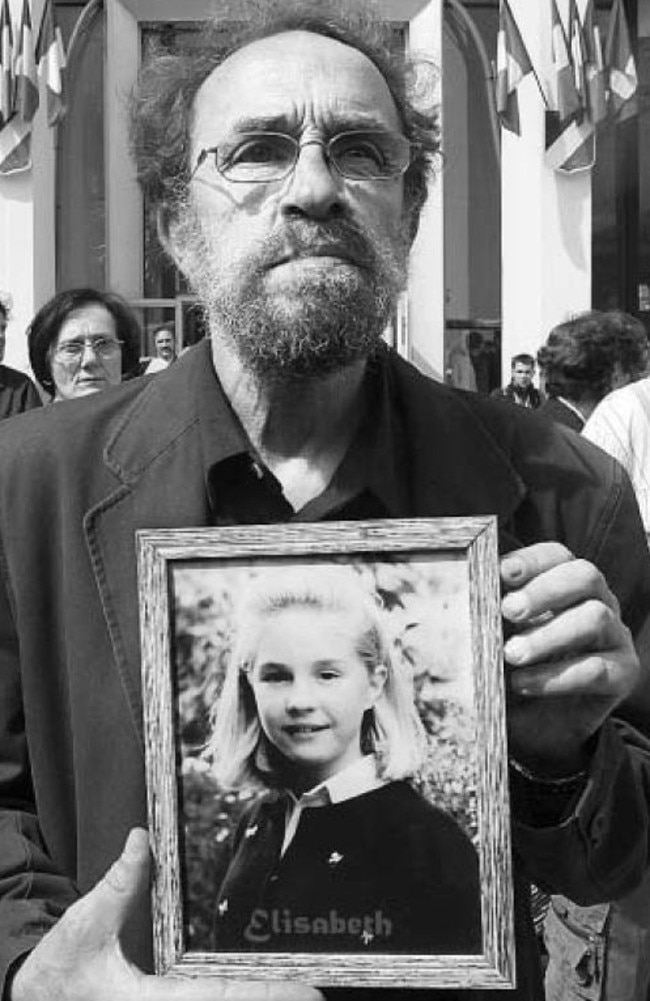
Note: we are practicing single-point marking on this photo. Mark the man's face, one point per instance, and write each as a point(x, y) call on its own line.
point(299, 275)
point(522, 375)
point(164, 345)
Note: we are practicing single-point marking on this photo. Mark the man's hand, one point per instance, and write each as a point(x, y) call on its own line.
point(570, 658)
point(81, 959)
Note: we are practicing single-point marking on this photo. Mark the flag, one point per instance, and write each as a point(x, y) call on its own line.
point(571, 147)
point(16, 152)
point(623, 79)
point(595, 70)
point(567, 98)
point(513, 64)
point(578, 55)
point(50, 57)
point(26, 84)
point(15, 146)
point(570, 132)
point(6, 65)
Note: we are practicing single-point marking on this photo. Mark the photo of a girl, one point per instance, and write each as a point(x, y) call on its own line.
point(337, 850)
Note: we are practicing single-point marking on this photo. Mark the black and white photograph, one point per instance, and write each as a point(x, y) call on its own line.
point(336, 767)
point(278, 266)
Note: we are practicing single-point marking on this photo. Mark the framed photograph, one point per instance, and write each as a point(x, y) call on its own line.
point(326, 753)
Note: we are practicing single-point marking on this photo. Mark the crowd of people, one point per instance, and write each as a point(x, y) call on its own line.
point(80, 341)
point(288, 163)
point(595, 379)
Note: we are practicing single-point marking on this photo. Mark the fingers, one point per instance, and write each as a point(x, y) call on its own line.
point(584, 628)
point(591, 676)
point(107, 906)
point(185, 989)
point(549, 581)
point(80, 959)
point(522, 565)
point(566, 640)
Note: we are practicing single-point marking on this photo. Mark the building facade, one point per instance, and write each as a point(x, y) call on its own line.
point(507, 247)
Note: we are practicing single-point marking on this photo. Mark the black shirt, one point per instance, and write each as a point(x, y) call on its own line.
point(17, 393)
point(370, 482)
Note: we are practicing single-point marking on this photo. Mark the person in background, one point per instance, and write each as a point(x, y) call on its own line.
point(586, 357)
point(520, 389)
point(165, 345)
point(484, 355)
point(17, 391)
point(82, 341)
point(620, 425)
point(607, 946)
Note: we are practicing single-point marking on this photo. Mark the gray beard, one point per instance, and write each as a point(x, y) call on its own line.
point(332, 319)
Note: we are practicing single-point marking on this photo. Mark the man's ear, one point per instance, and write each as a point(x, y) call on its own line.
point(169, 228)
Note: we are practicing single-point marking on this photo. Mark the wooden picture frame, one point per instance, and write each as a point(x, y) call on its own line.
point(440, 572)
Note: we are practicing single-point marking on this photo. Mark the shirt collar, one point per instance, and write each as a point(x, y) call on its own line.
point(222, 435)
point(356, 779)
point(375, 461)
point(572, 406)
point(379, 452)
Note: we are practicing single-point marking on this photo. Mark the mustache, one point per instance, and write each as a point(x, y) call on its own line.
point(303, 238)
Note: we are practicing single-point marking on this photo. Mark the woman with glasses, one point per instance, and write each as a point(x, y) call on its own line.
point(82, 341)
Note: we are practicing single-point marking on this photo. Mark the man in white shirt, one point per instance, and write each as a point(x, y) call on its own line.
point(620, 425)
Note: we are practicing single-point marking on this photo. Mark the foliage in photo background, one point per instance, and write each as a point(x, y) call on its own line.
point(426, 607)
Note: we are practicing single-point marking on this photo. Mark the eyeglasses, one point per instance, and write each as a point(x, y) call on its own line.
point(72, 352)
point(262, 157)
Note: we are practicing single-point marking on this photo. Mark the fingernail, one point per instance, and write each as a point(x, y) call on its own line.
point(515, 650)
point(512, 567)
point(137, 843)
point(514, 606)
point(521, 684)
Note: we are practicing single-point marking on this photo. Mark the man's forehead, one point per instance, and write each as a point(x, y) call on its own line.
point(295, 74)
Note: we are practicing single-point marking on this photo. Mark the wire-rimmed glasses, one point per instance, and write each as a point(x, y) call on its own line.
point(71, 352)
point(262, 157)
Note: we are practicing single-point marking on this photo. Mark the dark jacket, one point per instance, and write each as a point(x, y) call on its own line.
point(77, 481)
point(556, 410)
point(17, 393)
point(387, 859)
point(530, 397)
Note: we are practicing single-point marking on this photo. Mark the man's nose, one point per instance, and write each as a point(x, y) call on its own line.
point(314, 188)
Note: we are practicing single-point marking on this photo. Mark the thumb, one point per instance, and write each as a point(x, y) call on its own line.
point(108, 905)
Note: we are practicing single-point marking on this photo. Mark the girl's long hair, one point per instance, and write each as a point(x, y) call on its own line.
point(240, 754)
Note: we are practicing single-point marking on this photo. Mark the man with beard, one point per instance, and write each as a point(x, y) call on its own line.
point(289, 167)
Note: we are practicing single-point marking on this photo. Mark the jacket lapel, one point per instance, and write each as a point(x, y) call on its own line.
point(458, 468)
point(155, 457)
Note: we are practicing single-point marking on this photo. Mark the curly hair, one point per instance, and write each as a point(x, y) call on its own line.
point(580, 357)
point(632, 344)
point(162, 103)
point(45, 327)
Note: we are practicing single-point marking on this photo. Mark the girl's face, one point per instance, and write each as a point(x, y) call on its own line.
point(312, 690)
